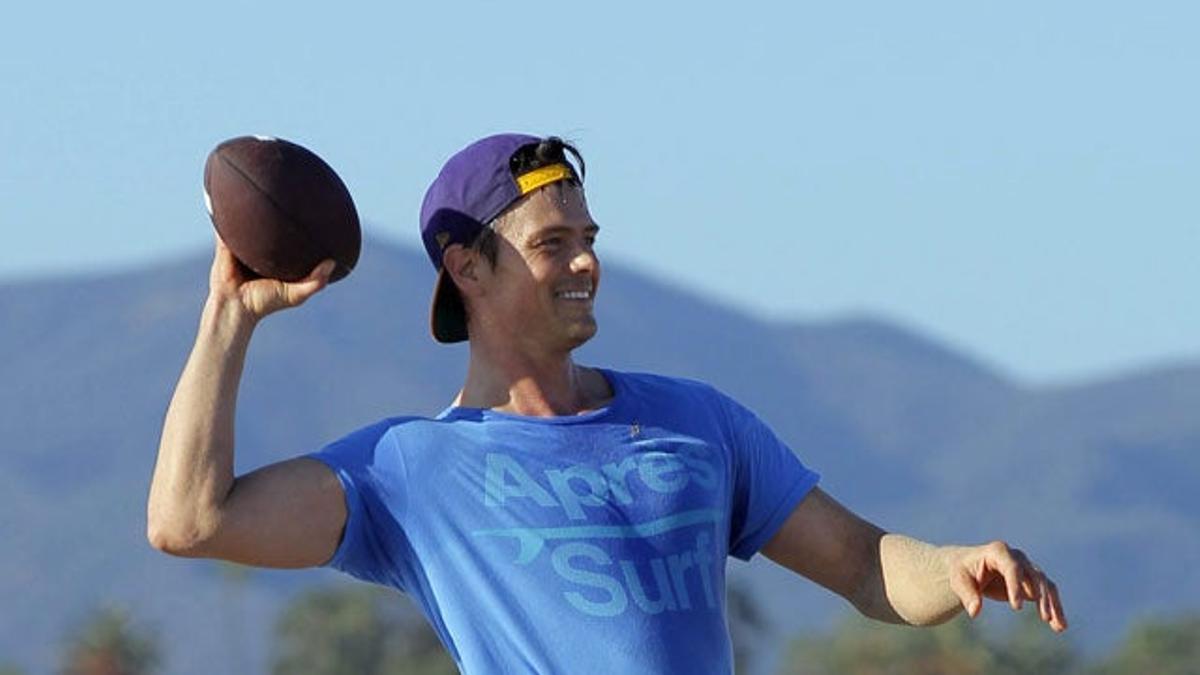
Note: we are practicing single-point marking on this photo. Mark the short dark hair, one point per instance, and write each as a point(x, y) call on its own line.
point(486, 244)
point(552, 150)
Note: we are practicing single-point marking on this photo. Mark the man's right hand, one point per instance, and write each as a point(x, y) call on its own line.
point(260, 297)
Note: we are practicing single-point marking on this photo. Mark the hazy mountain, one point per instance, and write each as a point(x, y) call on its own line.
point(1097, 480)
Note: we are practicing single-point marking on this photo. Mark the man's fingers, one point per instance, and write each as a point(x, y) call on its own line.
point(1029, 588)
point(1058, 618)
point(1049, 604)
point(1012, 580)
point(1007, 562)
point(323, 270)
point(1043, 601)
point(225, 272)
point(1031, 576)
point(1001, 573)
point(297, 292)
point(1046, 594)
point(964, 586)
point(321, 273)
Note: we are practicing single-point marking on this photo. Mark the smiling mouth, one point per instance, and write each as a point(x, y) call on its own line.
point(574, 293)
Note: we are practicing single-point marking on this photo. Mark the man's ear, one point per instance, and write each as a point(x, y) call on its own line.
point(462, 264)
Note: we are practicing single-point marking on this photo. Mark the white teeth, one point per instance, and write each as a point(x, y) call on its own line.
point(575, 295)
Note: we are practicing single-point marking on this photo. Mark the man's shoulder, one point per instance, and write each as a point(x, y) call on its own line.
point(656, 385)
point(385, 442)
point(373, 434)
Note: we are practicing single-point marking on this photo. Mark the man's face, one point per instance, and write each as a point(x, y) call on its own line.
point(542, 288)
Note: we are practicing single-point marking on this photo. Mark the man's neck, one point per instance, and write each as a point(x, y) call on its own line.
point(524, 385)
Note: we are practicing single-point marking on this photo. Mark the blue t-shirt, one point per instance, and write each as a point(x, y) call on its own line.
point(592, 543)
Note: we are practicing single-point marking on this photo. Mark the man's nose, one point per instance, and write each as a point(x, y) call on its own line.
point(584, 260)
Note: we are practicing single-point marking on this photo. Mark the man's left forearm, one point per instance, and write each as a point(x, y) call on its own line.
point(914, 584)
point(898, 579)
point(922, 585)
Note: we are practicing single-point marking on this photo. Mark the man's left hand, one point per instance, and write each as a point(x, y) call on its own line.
point(1001, 573)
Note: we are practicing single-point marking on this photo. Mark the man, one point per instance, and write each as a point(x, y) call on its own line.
point(556, 518)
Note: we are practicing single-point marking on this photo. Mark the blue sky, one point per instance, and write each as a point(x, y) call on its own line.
point(1015, 178)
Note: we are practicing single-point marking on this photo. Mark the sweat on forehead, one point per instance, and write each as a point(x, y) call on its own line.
point(532, 209)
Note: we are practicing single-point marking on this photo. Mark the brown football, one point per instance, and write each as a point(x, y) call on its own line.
point(280, 208)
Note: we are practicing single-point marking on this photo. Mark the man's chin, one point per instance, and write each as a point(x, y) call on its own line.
point(580, 332)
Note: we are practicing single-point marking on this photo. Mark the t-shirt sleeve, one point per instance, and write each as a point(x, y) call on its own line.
point(371, 523)
point(768, 481)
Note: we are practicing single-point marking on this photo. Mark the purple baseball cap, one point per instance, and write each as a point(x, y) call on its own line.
point(474, 187)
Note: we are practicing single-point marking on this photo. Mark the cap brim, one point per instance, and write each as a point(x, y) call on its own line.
point(447, 316)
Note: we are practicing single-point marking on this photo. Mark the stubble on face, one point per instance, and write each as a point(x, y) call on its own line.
point(547, 272)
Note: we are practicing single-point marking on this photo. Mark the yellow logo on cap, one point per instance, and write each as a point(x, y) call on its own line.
point(528, 182)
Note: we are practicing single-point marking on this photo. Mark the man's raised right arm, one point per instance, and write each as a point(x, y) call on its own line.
point(288, 514)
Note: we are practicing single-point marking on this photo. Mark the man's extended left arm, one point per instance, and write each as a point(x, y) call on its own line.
point(894, 578)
